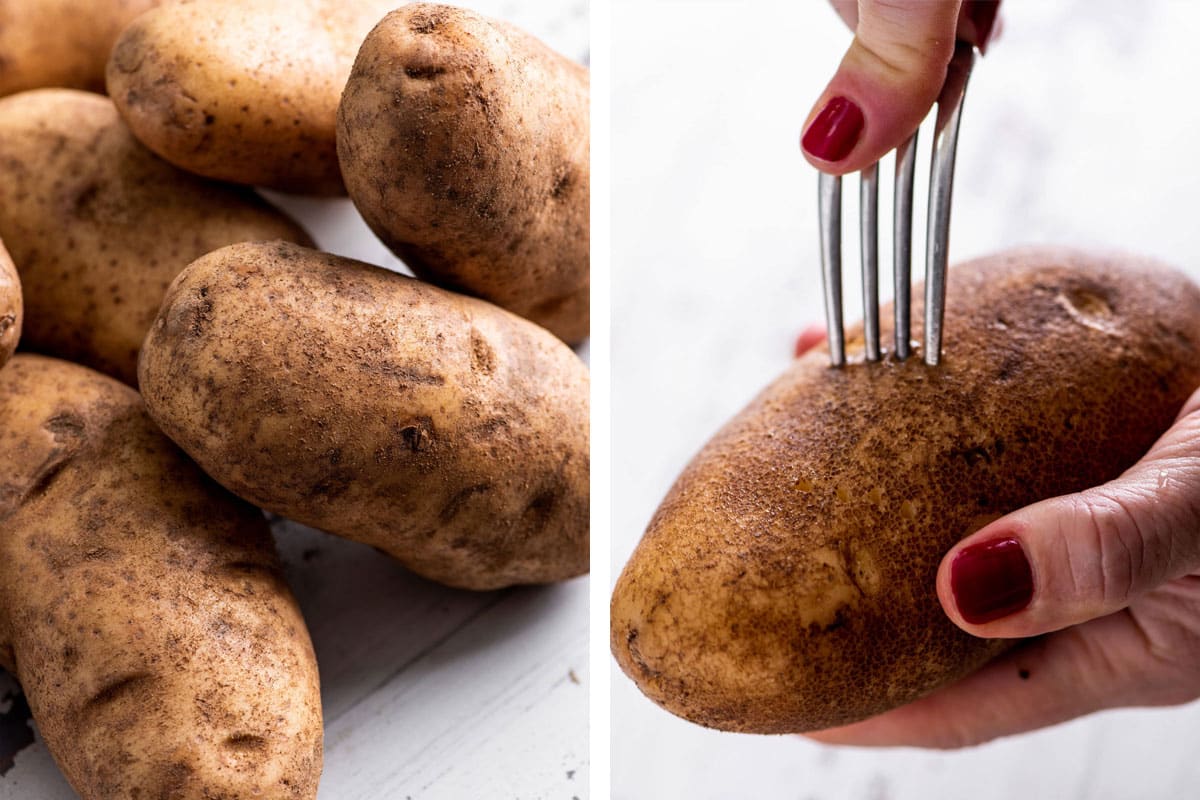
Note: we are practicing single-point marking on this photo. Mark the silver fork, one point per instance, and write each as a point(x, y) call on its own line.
point(941, 184)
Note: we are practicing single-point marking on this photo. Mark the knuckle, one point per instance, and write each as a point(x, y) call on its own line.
point(904, 46)
point(903, 58)
point(1108, 552)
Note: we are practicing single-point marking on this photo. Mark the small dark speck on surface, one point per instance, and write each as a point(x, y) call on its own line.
point(310, 554)
point(574, 678)
point(16, 731)
point(570, 774)
point(1023, 674)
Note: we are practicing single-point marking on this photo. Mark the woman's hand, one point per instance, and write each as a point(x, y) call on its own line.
point(890, 76)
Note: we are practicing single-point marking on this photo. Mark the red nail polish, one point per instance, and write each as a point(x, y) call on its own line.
point(991, 580)
point(834, 131)
point(982, 14)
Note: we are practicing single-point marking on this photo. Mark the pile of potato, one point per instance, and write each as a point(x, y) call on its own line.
point(142, 606)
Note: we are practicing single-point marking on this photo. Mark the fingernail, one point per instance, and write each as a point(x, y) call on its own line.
point(834, 132)
point(982, 14)
point(991, 580)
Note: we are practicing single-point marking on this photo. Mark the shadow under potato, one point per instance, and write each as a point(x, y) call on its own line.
point(371, 619)
point(16, 722)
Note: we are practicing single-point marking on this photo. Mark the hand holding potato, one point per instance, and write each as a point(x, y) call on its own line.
point(786, 583)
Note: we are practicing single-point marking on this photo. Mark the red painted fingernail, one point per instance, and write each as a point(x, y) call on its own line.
point(991, 580)
point(834, 131)
point(982, 14)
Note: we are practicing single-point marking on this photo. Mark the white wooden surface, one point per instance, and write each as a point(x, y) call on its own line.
point(1080, 127)
point(429, 693)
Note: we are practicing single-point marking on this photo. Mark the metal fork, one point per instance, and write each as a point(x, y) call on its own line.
point(941, 184)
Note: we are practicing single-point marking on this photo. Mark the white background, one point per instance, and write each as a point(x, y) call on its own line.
point(429, 693)
point(1080, 127)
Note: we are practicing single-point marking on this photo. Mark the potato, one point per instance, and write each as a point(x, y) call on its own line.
point(247, 94)
point(787, 581)
point(99, 226)
point(464, 144)
point(440, 429)
point(142, 608)
point(60, 42)
point(10, 306)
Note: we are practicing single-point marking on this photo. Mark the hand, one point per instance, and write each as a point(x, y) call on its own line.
point(1111, 576)
point(890, 76)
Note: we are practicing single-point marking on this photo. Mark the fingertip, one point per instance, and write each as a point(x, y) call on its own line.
point(808, 338)
point(987, 580)
point(832, 133)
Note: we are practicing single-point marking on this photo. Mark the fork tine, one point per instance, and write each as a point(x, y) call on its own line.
point(941, 184)
point(869, 232)
point(830, 205)
point(906, 163)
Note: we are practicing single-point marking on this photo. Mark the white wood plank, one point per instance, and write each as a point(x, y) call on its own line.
point(501, 706)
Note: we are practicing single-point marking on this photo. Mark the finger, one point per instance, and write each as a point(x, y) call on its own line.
point(885, 85)
point(978, 20)
point(809, 338)
point(1105, 663)
point(1078, 557)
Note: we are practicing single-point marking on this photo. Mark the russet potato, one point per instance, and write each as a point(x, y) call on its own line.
point(62, 43)
point(440, 429)
point(244, 92)
point(143, 608)
point(464, 143)
point(99, 226)
point(787, 581)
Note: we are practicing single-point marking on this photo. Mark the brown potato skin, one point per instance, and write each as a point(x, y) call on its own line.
point(464, 143)
point(99, 226)
point(60, 42)
point(249, 97)
point(142, 608)
point(10, 306)
point(438, 428)
point(787, 581)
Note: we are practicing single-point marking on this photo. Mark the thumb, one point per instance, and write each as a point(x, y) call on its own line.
point(1074, 558)
point(888, 79)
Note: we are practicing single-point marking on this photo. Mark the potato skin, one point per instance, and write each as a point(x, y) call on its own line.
point(60, 42)
point(464, 143)
point(142, 608)
point(99, 226)
point(787, 581)
point(10, 306)
point(249, 97)
point(440, 429)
